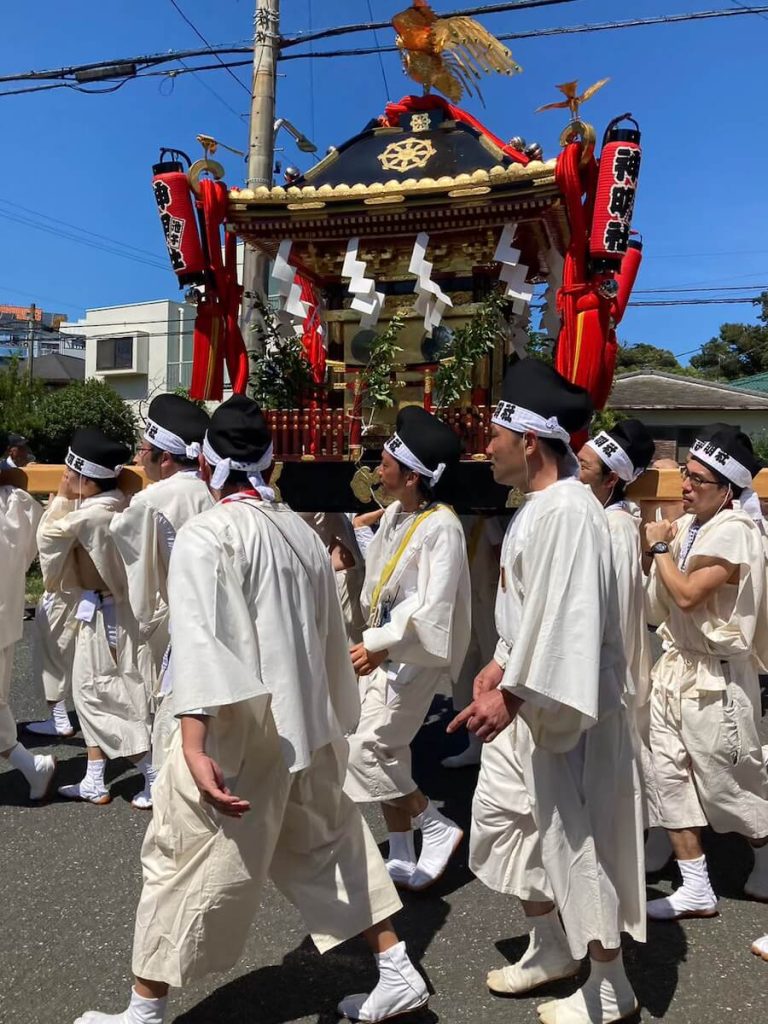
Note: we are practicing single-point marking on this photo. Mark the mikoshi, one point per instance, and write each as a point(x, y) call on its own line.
point(405, 263)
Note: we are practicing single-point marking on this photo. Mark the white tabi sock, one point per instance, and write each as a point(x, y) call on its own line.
point(401, 861)
point(400, 989)
point(440, 840)
point(606, 996)
point(760, 947)
point(143, 800)
point(140, 1011)
point(469, 757)
point(694, 898)
point(37, 769)
point(57, 725)
point(547, 958)
point(757, 884)
point(92, 787)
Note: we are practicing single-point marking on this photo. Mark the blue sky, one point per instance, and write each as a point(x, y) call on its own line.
point(698, 90)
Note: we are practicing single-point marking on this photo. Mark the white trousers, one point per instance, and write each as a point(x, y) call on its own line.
point(708, 761)
point(7, 721)
point(54, 646)
point(395, 703)
point(504, 846)
point(203, 872)
point(578, 836)
point(112, 705)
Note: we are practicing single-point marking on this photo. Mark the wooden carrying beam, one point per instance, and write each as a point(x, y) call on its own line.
point(655, 485)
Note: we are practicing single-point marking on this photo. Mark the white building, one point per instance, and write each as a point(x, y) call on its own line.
point(141, 349)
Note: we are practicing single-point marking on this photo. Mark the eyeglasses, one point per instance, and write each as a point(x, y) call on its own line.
point(696, 479)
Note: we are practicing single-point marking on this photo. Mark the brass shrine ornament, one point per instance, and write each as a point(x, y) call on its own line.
point(407, 155)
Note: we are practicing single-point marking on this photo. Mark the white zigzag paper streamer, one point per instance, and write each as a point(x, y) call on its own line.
point(512, 272)
point(550, 318)
point(293, 311)
point(367, 300)
point(431, 301)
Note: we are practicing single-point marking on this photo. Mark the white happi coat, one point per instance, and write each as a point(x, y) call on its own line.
point(627, 556)
point(425, 626)
point(79, 557)
point(557, 812)
point(144, 534)
point(333, 528)
point(19, 516)
point(259, 646)
point(705, 704)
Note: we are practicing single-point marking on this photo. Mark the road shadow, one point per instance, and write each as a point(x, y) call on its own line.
point(305, 985)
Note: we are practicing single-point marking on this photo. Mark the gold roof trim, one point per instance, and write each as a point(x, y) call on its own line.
point(535, 173)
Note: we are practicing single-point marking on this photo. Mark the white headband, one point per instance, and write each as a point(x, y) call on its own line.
point(399, 450)
point(733, 470)
point(615, 458)
point(170, 442)
point(91, 469)
point(723, 463)
point(515, 417)
point(223, 467)
point(522, 420)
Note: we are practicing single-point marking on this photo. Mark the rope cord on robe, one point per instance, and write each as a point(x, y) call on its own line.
point(392, 564)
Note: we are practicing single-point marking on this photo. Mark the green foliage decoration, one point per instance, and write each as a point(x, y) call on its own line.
point(468, 346)
point(377, 377)
point(281, 374)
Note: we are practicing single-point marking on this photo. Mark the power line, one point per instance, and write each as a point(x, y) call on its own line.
point(194, 71)
point(736, 3)
point(154, 60)
point(608, 26)
point(676, 291)
point(343, 30)
point(75, 227)
point(202, 39)
point(381, 59)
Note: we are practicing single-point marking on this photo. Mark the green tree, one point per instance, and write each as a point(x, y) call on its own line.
point(605, 419)
point(20, 400)
point(88, 403)
point(643, 356)
point(739, 350)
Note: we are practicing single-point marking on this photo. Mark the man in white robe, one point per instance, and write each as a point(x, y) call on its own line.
point(19, 516)
point(417, 600)
point(557, 816)
point(79, 557)
point(608, 463)
point(252, 787)
point(707, 589)
point(144, 535)
point(484, 536)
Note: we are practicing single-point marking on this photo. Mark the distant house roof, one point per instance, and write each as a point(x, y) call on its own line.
point(57, 369)
point(654, 389)
point(757, 382)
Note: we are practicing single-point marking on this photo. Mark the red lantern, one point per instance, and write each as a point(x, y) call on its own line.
point(176, 206)
point(615, 195)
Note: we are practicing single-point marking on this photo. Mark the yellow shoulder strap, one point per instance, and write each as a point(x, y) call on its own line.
point(391, 565)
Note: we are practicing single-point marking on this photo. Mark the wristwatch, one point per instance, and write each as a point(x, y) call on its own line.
point(659, 548)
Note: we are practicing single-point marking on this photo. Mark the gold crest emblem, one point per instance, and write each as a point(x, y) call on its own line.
point(407, 154)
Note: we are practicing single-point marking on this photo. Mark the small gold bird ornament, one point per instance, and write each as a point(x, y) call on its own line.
point(448, 54)
point(572, 99)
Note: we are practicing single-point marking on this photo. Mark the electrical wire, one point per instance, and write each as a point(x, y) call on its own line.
point(202, 39)
point(153, 60)
point(608, 26)
point(343, 30)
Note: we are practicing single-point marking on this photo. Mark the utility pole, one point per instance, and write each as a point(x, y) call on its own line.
point(31, 342)
point(261, 148)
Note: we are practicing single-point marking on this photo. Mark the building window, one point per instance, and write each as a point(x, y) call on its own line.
point(179, 372)
point(114, 354)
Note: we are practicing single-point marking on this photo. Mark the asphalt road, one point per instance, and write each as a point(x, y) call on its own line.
point(70, 881)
